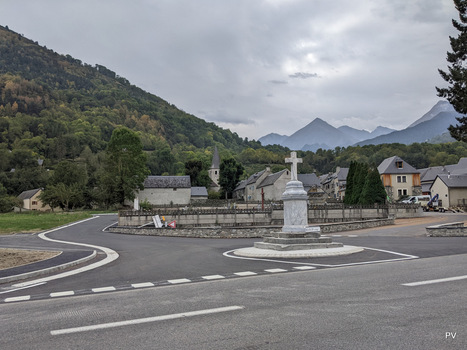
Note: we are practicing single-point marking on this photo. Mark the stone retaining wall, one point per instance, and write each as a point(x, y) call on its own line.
point(454, 229)
point(243, 232)
point(243, 217)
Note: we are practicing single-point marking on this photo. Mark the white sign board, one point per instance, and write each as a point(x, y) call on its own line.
point(157, 221)
point(313, 229)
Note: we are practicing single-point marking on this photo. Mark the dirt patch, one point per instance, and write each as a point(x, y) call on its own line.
point(17, 257)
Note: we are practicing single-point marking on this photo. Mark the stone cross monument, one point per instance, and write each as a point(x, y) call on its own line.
point(296, 234)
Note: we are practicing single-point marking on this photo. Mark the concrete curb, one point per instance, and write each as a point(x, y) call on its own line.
point(294, 254)
point(48, 270)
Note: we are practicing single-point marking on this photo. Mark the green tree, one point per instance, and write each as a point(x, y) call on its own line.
point(198, 175)
point(349, 183)
point(456, 76)
point(359, 178)
point(125, 167)
point(229, 174)
point(373, 190)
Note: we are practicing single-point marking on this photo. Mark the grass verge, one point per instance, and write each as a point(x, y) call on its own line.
point(34, 221)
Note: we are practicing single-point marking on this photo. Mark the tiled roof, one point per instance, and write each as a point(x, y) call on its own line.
point(388, 166)
point(167, 182)
point(215, 159)
point(454, 181)
point(199, 192)
point(309, 179)
point(28, 194)
point(271, 179)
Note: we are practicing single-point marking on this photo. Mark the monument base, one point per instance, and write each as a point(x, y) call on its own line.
point(296, 241)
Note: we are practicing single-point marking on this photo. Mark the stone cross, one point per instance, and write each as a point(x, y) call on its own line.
point(294, 160)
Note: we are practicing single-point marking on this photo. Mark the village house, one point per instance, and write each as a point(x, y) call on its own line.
point(31, 200)
point(399, 178)
point(165, 190)
point(451, 189)
point(334, 183)
point(428, 175)
point(270, 186)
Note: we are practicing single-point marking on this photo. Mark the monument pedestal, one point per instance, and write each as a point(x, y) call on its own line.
point(296, 234)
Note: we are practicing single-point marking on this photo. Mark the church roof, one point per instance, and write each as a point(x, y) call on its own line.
point(167, 182)
point(216, 162)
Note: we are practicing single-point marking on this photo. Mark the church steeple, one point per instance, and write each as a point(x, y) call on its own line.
point(215, 167)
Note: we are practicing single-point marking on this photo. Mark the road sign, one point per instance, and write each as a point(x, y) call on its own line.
point(157, 221)
point(173, 224)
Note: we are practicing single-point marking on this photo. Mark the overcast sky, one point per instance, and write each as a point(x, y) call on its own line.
point(259, 66)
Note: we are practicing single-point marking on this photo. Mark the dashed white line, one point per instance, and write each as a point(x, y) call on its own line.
point(22, 298)
point(62, 294)
point(304, 267)
point(213, 277)
point(145, 320)
point(180, 280)
point(245, 273)
point(103, 289)
point(142, 285)
point(275, 270)
point(440, 280)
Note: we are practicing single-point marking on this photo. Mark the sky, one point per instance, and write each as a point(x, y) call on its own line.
point(259, 66)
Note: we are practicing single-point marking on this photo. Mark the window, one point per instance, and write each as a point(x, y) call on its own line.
point(34, 203)
point(399, 164)
point(174, 189)
point(401, 178)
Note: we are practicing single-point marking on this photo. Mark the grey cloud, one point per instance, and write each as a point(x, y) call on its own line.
point(302, 75)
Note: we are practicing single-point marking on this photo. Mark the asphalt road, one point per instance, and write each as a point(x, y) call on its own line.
point(353, 302)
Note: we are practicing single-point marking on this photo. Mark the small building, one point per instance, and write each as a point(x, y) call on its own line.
point(451, 189)
point(166, 190)
point(399, 178)
point(31, 200)
point(199, 194)
point(428, 175)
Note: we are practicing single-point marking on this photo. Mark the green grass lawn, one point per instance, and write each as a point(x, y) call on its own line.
point(34, 221)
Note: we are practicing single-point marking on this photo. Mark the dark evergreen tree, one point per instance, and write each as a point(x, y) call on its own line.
point(456, 76)
point(359, 178)
point(373, 190)
point(349, 183)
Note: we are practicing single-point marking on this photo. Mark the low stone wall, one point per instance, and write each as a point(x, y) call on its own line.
point(454, 229)
point(246, 217)
point(244, 232)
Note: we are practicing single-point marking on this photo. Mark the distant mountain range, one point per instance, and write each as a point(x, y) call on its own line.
point(431, 127)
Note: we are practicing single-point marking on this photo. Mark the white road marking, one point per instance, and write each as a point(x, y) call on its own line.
point(304, 267)
point(245, 273)
point(275, 270)
point(111, 256)
point(213, 277)
point(14, 290)
point(103, 289)
point(22, 298)
point(145, 320)
point(180, 280)
point(440, 280)
point(62, 294)
point(142, 285)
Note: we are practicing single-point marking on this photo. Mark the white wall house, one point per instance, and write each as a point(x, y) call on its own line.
point(165, 190)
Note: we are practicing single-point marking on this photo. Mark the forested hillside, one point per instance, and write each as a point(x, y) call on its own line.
point(57, 106)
